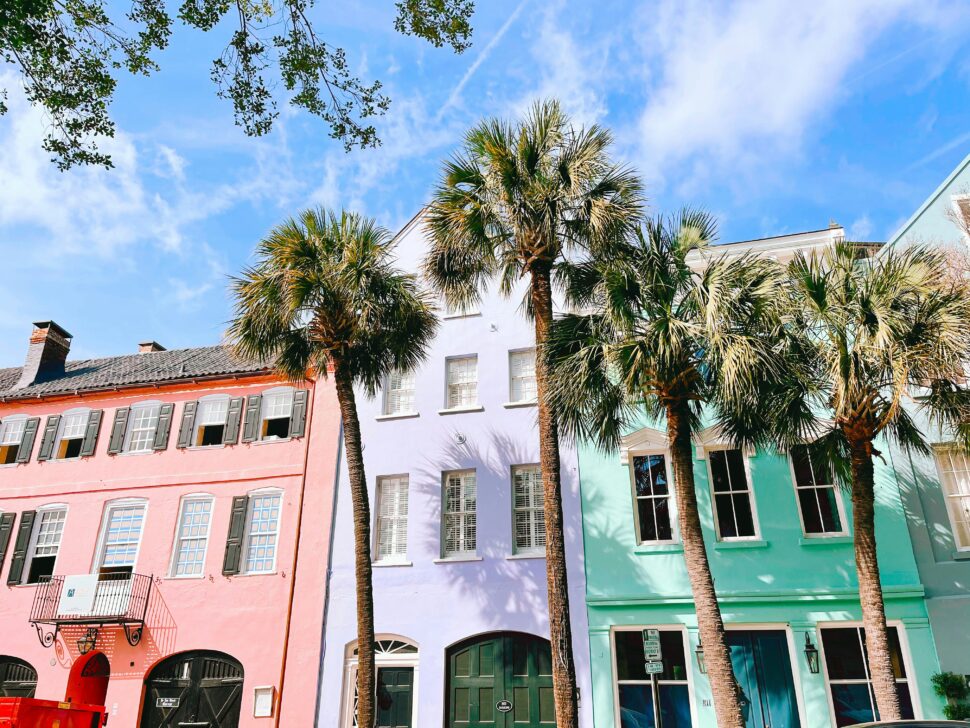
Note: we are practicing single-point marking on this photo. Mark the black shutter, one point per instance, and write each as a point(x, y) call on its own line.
point(231, 433)
point(6, 528)
point(91, 432)
point(251, 428)
point(117, 441)
point(237, 526)
point(20, 547)
point(27, 442)
point(187, 428)
point(298, 413)
point(163, 426)
point(47, 441)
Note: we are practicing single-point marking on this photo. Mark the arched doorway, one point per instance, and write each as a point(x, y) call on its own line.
point(199, 688)
point(396, 659)
point(500, 680)
point(18, 678)
point(88, 682)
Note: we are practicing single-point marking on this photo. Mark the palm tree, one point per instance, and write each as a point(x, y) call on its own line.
point(324, 296)
point(866, 336)
point(679, 333)
point(514, 202)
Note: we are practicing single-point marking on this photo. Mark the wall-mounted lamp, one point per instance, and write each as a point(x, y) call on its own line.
point(88, 641)
point(701, 662)
point(811, 655)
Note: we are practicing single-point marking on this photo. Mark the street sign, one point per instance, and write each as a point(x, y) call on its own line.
point(167, 702)
point(653, 668)
point(651, 634)
point(651, 650)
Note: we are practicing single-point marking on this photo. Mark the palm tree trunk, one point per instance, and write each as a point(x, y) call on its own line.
point(557, 587)
point(366, 678)
point(870, 589)
point(717, 656)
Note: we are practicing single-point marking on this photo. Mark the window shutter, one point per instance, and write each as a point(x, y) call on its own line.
point(91, 433)
point(298, 413)
point(251, 428)
point(6, 528)
point(187, 427)
point(47, 441)
point(118, 427)
point(230, 435)
point(27, 442)
point(237, 526)
point(16, 572)
point(163, 426)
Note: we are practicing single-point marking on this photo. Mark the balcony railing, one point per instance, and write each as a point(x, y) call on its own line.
point(92, 600)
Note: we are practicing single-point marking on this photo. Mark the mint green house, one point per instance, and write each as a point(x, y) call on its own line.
point(778, 534)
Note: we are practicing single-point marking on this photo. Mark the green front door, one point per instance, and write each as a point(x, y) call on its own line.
point(500, 681)
point(395, 693)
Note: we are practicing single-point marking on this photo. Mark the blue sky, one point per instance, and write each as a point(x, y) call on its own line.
point(776, 116)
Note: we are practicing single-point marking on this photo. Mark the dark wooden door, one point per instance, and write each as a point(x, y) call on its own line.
point(17, 678)
point(500, 681)
point(395, 697)
point(198, 689)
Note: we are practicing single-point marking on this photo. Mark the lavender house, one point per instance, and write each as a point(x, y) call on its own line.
point(452, 458)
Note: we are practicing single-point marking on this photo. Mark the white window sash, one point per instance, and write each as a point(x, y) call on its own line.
point(522, 376)
point(124, 551)
point(192, 544)
point(460, 514)
point(528, 507)
point(392, 519)
point(746, 491)
point(462, 382)
point(262, 533)
point(655, 500)
point(818, 491)
point(953, 467)
point(399, 393)
point(142, 424)
point(12, 431)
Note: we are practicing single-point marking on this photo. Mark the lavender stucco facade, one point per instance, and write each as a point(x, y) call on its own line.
point(425, 602)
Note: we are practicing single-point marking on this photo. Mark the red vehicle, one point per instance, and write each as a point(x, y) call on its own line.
point(35, 713)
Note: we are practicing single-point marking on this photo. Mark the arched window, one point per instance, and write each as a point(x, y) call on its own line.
point(396, 661)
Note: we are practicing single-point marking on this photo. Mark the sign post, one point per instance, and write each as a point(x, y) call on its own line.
point(653, 666)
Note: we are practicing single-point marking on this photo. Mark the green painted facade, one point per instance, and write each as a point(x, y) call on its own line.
point(779, 580)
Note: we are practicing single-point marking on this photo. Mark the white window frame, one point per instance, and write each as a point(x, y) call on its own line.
point(386, 404)
point(448, 383)
point(177, 539)
point(688, 655)
point(903, 648)
point(948, 498)
point(263, 419)
point(746, 461)
point(35, 533)
point(463, 554)
point(247, 531)
point(839, 504)
point(102, 542)
point(199, 424)
point(379, 519)
point(671, 496)
point(955, 200)
point(525, 550)
point(404, 659)
point(512, 378)
point(59, 438)
point(447, 312)
point(10, 419)
point(130, 428)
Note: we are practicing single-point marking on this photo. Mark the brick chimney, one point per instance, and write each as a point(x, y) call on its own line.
point(46, 354)
point(148, 347)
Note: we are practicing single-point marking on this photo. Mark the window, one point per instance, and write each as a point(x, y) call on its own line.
point(818, 499)
point(277, 408)
point(392, 518)
point(954, 467)
point(733, 507)
point(651, 488)
point(121, 537)
point(462, 382)
point(522, 376)
point(527, 504)
point(45, 541)
point(142, 423)
point(396, 659)
point(961, 204)
point(11, 435)
point(634, 687)
point(847, 670)
point(451, 311)
point(210, 420)
point(399, 394)
point(192, 536)
point(70, 434)
point(460, 513)
point(262, 527)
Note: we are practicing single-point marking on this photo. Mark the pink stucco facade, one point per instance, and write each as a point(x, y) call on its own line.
point(270, 622)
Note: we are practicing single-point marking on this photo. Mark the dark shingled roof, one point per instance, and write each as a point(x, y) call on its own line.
point(131, 370)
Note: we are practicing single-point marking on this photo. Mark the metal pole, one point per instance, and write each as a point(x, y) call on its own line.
point(657, 720)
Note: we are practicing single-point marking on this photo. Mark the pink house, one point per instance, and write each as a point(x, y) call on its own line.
point(164, 533)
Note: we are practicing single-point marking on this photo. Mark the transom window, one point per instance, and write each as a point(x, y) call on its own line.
point(847, 670)
point(528, 509)
point(210, 420)
point(733, 498)
point(463, 382)
point(818, 498)
point(11, 435)
point(392, 518)
point(277, 408)
point(45, 542)
point(192, 536)
point(399, 393)
point(634, 687)
point(460, 513)
point(142, 424)
point(652, 493)
point(122, 537)
point(71, 431)
point(954, 468)
point(261, 532)
point(522, 376)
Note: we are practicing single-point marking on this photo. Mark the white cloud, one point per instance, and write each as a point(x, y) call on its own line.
point(861, 229)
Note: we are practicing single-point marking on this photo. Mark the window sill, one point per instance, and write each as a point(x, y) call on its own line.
point(187, 577)
point(400, 416)
point(205, 447)
point(457, 559)
point(470, 314)
point(645, 549)
point(459, 410)
point(741, 544)
point(12, 465)
point(274, 441)
point(135, 453)
point(961, 555)
point(524, 403)
point(824, 540)
point(251, 573)
point(526, 555)
point(390, 564)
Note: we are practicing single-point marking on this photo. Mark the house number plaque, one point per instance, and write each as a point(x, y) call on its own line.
point(504, 706)
point(167, 702)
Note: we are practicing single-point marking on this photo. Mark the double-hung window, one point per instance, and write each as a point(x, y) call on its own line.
point(954, 468)
point(462, 382)
point(45, 542)
point(528, 510)
point(142, 424)
point(818, 497)
point(399, 394)
point(11, 436)
point(192, 536)
point(121, 537)
point(392, 518)
point(651, 490)
point(734, 513)
point(849, 681)
point(262, 529)
point(522, 376)
point(210, 420)
point(70, 434)
point(460, 514)
point(634, 687)
point(277, 408)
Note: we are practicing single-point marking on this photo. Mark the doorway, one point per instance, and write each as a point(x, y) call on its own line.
point(762, 665)
point(88, 681)
point(199, 688)
point(18, 678)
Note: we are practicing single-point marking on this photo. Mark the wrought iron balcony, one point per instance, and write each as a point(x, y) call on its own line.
point(93, 600)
